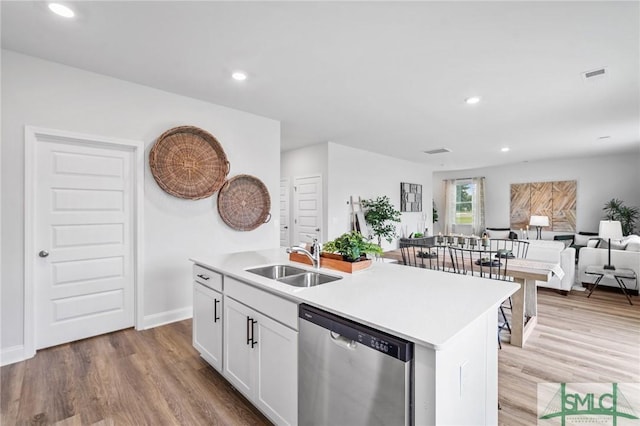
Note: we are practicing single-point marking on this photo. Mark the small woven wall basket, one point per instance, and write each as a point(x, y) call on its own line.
point(244, 203)
point(188, 162)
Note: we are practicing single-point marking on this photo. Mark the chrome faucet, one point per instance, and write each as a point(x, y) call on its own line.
point(314, 254)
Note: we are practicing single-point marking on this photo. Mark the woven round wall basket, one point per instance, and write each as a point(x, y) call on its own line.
point(188, 162)
point(244, 203)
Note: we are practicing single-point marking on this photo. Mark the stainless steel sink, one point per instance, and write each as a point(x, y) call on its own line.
point(293, 276)
point(276, 272)
point(308, 279)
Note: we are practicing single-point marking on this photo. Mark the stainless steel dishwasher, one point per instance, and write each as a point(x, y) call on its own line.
point(351, 374)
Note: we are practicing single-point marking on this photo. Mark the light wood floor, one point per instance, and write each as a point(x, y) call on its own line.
point(155, 377)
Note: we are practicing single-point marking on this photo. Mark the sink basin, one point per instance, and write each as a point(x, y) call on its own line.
point(308, 279)
point(276, 272)
point(293, 276)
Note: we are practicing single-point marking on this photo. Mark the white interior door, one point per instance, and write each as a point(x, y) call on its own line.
point(285, 239)
point(83, 240)
point(307, 210)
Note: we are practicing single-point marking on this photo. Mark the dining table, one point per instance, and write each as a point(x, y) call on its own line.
point(524, 311)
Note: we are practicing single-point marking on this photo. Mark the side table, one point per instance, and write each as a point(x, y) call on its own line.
point(619, 275)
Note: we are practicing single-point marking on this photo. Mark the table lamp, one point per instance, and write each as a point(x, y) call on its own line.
point(539, 222)
point(610, 230)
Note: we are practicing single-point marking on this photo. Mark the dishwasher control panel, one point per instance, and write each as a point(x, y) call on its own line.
point(364, 335)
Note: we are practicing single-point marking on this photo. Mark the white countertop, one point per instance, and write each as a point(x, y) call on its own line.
point(424, 306)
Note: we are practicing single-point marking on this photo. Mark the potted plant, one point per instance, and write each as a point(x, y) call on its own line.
point(380, 215)
point(351, 246)
point(616, 210)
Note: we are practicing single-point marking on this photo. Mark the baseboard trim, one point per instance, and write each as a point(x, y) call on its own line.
point(156, 320)
point(12, 355)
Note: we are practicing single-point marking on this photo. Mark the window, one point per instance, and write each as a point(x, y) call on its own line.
point(464, 202)
point(464, 206)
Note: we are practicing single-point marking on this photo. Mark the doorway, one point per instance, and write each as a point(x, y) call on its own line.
point(307, 209)
point(83, 236)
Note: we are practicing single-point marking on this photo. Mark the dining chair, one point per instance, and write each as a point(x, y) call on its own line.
point(516, 248)
point(423, 253)
point(482, 263)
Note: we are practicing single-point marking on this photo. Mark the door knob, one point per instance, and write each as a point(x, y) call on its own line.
point(43, 253)
point(286, 227)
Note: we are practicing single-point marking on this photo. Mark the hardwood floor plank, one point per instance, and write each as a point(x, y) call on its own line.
point(155, 377)
point(11, 379)
point(578, 339)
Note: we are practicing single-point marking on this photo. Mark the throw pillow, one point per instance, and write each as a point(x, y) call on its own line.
point(500, 235)
point(633, 247)
point(567, 243)
point(593, 243)
point(581, 240)
point(615, 244)
point(632, 243)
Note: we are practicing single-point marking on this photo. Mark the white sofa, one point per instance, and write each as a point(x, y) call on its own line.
point(556, 252)
point(628, 258)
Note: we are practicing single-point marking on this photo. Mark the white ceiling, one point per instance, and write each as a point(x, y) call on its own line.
point(389, 77)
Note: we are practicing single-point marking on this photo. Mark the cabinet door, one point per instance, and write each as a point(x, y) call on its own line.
point(277, 371)
point(238, 365)
point(207, 324)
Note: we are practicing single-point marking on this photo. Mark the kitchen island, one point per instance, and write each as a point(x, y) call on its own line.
point(451, 319)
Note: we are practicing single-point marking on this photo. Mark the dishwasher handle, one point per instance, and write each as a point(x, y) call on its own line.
point(343, 341)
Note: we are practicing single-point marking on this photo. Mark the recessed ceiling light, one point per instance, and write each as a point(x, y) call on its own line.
point(505, 149)
point(61, 10)
point(472, 100)
point(239, 75)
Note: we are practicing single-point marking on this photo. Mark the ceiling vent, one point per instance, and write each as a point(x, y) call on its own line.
point(437, 151)
point(594, 74)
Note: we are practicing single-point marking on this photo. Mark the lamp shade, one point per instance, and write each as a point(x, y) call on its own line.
point(610, 229)
point(539, 221)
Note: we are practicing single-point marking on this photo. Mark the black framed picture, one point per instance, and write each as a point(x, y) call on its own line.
point(410, 197)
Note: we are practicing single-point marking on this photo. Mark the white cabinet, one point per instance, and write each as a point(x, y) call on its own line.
point(238, 365)
point(207, 324)
point(250, 336)
point(277, 372)
point(261, 360)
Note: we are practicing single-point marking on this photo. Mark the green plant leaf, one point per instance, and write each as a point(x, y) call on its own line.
point(628, 216)
point(351, 245)
point(380, 215)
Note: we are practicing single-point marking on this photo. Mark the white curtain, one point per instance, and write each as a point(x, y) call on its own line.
point(449, 206)
point(477, 225)
point(478, 205)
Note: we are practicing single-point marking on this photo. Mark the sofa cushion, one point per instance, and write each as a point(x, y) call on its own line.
point(567, 243)
point(545, 251)
point(632, 242)
point(501, 235)
point(615, 244)
point(581, 240)
point(633, 247)
point(593, 242)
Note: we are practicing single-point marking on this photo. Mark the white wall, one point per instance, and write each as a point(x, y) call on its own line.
point(598, 180)
point(49, 95)
point(310, 160)
point(370, 175)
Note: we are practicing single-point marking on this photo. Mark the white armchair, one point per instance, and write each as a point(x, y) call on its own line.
point(555, 251)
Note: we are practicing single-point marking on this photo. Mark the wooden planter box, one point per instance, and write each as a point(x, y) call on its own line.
point(332, 261)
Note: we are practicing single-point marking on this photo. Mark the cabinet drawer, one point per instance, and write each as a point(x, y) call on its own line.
point(207, 277)
point(282, 310)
